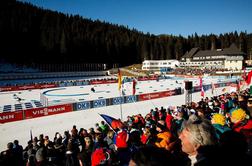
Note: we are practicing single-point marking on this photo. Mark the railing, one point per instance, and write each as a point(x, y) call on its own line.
point(12, 76)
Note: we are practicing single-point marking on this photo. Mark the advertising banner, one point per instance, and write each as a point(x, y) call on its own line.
point(69, 84)
point(168, 93)
point(117, 100)
point(46, 111)
point(196, 89)
point(11, 116)
point(99, 103)
point(130, 99)
point(110, 81)
point(96, 82)
point(93, 82)
point(147, 78)
point(63, 84)
point(149, 96)
point(8, 88)
point(216, 85)
point(228, 83)
point(85, 82)
point(42, 86)
point(82, 83)
point(27, 87)
point(82, 106)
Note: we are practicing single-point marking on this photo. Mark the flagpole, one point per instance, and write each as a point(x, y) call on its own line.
point(121, 104)
point(31, 134)
point(119, 88)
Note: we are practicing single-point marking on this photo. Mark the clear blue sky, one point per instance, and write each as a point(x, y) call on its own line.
point(176, 17)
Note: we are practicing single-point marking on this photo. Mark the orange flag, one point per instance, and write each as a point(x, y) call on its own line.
point(119, 79)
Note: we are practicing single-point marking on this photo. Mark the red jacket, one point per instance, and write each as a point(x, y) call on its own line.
point(168, 121)
point(239, 126)
point(122, 139)
point(144, 138)
point(244, 128)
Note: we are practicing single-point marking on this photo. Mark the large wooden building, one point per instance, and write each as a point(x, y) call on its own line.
point(228, 58)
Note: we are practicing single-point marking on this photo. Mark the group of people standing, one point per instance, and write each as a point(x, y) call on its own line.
point(213, 131)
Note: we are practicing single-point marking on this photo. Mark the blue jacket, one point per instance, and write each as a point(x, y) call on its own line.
point(220, 129)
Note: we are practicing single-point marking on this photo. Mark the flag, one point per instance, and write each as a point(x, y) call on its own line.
point(202, 93)
point(134, 86)
point(213, 88)
point(119, 79)
point(201, 87)
point(112, 122)
point(248, 78)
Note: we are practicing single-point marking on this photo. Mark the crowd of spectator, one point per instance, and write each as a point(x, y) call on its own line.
point(177, 71)
point(213, 131)
point(197, 71)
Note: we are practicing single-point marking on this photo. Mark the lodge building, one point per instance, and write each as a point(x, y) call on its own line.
point(228, 58)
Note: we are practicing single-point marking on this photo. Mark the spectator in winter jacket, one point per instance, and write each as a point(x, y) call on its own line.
point(242, 123)
point(146, 135)
point(164, 137)
point(84, 156)
point(152, 156)
point(123, 152)
point(169, 119)
point(234, 149)
point(109, 140)
point(8, 157)
point(198, 138)
point(18, 150)
point(240, 120)
point(219, 123)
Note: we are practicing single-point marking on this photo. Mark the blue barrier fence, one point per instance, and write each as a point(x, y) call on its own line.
point(132, 98)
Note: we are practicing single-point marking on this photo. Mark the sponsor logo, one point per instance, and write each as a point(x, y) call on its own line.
point(99, 103)
point(47, 86)
point(117, 100)
point(47, 111)
point(150, 96)
point(7, 117)
point(26, 87)
point(83, 105)
point(6, 89)
point(130, 99)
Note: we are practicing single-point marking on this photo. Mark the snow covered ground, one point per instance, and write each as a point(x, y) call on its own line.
point(20, 130)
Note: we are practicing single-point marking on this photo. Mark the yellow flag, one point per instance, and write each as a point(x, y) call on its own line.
point(119, 79)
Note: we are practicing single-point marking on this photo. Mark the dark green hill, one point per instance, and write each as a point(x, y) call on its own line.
point(34, 36)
